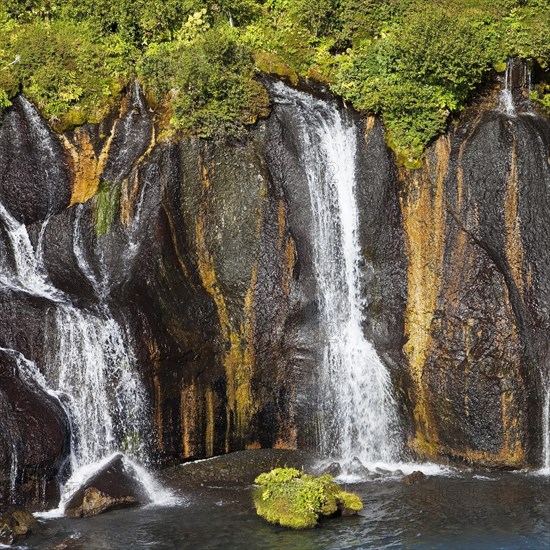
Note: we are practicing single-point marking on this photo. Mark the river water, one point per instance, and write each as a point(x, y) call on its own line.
point(459, 510)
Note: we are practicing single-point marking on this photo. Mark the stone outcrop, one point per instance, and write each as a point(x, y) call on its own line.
point(15, 524)
point(475, 321)
point(206, 250)
point(34, 437)
point(114, 486)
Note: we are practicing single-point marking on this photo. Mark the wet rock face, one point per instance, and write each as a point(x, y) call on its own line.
point(34, 439)
point(475, 318)
point(34, 181)
point(15, 524)
point(114, 486)
point(204, 252)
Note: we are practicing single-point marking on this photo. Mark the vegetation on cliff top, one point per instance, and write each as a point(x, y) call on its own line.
point(414, 62)
point(290, 498)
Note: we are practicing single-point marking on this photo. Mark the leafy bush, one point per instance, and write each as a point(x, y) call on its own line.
point(414, 62)
point(293, 499)
point(69, 74)
point(416, 74)
point(211, 81)
point(526, 30)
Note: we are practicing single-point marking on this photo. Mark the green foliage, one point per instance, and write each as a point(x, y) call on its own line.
point(69, 74)
point(362, 19)
point(526, 31)
point(416, 74)
point(107, 206)
point(210, 80)
point(414, 62)
point(541, 95)
point(293, 499)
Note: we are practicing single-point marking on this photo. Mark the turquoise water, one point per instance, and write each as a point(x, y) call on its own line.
point(508, 511)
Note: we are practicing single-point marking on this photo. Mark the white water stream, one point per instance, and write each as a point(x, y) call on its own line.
point(359, 417)
point(88, 358)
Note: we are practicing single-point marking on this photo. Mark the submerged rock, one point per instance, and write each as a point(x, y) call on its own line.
point(114, 486)
point(290, 498)
point(15, 523)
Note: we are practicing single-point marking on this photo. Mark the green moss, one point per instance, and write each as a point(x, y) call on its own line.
point(291, 498)
point(270, 63)
point(107, 205)
point(351, 502)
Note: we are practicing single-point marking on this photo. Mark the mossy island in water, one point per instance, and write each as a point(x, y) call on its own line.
point(291, 498)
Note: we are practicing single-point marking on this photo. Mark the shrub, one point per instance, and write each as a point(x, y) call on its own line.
point(70, 75)
point(416, 75)
point(211, 80)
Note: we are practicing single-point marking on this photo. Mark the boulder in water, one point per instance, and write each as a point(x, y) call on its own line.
point(291, 498)
point(357, 468)
point(114, 486)
point(414, 478)
point(15, 523)
point(334, 469)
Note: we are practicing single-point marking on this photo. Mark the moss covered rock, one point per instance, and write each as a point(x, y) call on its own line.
point(291, 498)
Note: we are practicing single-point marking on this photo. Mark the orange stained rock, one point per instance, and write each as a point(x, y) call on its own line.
point(424, 219)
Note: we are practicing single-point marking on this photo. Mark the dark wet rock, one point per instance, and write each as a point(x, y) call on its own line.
point(114, 486)
point(16, 523)
point(357, 468)
point(23, 323)
point(477, 396)
point(132, 136)
point(34, 181)
point(34, 437)
point(415, 478)
point(234, 469)
point(334, 469)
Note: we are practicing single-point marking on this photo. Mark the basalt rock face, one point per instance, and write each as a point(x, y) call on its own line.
point(31, 155)
point(476, 321)
point(34, 437)
point(203, 251)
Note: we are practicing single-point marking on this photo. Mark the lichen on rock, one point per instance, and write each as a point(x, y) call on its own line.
point(291, 498)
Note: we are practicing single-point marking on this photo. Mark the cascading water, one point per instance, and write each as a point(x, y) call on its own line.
point(44, 146)
point(359, 413)
point(506, 96)
point(515, 88)
point(514, 103)
point(87, 359)
point(546, 431)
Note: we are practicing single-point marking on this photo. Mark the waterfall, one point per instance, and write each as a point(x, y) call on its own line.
point(506, 95)
point(515, 88)
point(546, 431)
point(42, 141)
point(359, 416)
point(87, 357)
